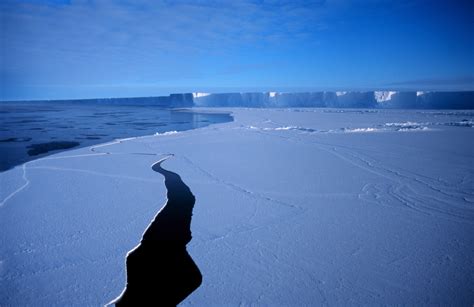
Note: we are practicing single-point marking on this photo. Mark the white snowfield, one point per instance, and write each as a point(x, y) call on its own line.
point(294, 207)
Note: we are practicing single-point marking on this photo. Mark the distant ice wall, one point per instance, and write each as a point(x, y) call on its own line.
point(347, 99)
point(351, 99)
point(354, 100)
point(446, 100)
point(173, 100)
point(402, 100)
point(181, 100)
point(258, 99)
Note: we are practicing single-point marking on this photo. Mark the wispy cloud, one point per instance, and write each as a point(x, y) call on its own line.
point(175, 26)
point(141, 41)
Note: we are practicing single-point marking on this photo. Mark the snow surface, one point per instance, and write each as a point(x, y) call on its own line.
point(292, 208)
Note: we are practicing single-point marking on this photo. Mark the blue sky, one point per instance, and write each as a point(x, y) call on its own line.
point(80, 49)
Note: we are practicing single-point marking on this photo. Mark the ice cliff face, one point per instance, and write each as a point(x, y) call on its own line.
point(382, 96)
point(352, 99)
point(347, 99)
point(173, 100)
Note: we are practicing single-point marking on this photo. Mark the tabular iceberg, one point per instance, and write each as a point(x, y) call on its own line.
point(352, 99)
point(324, 99)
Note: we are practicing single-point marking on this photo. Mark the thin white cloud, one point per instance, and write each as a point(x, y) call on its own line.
point(88, 40)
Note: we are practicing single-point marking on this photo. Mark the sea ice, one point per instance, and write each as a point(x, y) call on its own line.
point(288, 212)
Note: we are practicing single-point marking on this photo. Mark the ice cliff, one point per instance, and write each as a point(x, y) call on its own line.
point(173, 100)
point(352, 99)
point(331, 99)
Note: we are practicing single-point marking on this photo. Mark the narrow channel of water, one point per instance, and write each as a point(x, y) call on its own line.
point(160, 272)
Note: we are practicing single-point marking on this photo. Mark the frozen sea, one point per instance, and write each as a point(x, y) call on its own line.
point(294, 207)
point(31, 130)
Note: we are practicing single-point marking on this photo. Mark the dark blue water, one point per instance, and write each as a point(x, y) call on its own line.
point(30, 130)
point(160, 270)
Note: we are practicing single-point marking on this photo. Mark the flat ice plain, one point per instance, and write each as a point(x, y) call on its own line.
point(293, 207)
